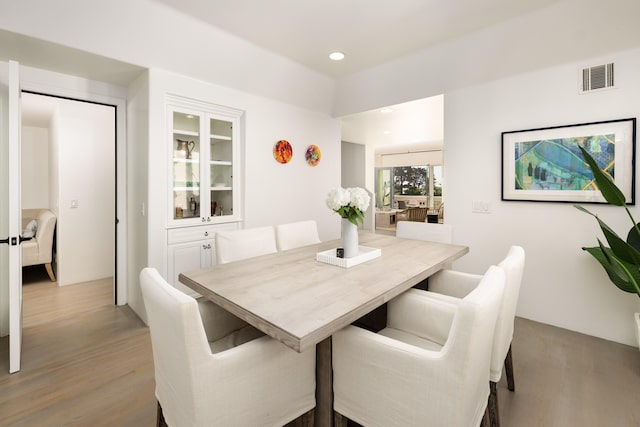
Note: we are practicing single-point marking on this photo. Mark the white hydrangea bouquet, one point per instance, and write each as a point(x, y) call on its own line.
point(350, 203)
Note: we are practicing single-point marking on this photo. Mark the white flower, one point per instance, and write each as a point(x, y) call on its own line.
point(337, 198)
point(359, 198)
point(349, 203)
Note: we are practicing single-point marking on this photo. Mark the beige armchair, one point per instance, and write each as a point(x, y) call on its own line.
point(39, 250)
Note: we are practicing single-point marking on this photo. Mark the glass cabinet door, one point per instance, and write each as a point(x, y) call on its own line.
point(186, 166)
point(221, 167)
point(204, 187)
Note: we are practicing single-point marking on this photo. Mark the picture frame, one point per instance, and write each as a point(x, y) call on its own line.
point(546, 165)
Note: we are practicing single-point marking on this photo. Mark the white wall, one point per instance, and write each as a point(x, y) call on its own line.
point(353, 165)
point(273, 193)
point(137, 188)
point(54, 163)
point(562, 285)
point(354, 173)
point(35, 167)
point(86, 154)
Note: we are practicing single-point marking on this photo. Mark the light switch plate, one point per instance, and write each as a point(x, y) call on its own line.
point(480, 206)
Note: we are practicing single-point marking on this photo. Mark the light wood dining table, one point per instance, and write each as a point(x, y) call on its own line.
point(301, 302)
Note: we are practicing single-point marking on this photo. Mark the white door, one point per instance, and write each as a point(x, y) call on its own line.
point(11, 217)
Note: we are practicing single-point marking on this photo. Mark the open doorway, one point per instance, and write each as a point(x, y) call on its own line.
point(69, 169)
point(405, 163)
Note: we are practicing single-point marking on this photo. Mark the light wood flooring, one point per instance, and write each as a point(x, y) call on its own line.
point(85, 361)
point(89, 363)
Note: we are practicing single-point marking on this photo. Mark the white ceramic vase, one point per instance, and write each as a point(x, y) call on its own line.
point(349, 238)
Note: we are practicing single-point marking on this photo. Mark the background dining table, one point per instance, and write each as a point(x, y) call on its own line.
point(301, 302)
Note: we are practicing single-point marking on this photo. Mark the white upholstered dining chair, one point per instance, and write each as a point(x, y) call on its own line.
point(450, 285)
point(430, 232)
point(296, 234)
point(236, 245)
point(442, 233)
point(211, 370)
point(428, 367)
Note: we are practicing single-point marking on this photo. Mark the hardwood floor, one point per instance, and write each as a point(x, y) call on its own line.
point(87, 362)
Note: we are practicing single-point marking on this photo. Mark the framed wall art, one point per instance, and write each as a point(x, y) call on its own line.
point(545, 165)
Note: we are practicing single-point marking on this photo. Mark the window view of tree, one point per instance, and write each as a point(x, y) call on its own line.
point(411, 180)
point(437, 180)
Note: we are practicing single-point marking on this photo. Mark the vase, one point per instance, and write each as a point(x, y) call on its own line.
point(349, 238)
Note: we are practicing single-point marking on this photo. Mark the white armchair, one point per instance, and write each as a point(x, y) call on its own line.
point(236, 245)
point(430, 232)
point(429, 367)
point(297, 234)
point(442, 233)
point(450, 285)
point(39, 250)
point(247, 381)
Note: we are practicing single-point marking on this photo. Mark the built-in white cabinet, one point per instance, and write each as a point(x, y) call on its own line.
point(204, 182)
point(192, 248)
point(204, 139)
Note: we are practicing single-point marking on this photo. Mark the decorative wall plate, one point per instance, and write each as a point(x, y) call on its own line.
point(282, 151)
point(313, 155)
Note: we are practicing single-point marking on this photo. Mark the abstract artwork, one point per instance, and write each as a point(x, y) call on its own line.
point(282, 151)
point(546, 164)
point(313, 155)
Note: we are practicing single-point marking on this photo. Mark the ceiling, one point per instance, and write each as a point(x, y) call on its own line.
point(368, 32)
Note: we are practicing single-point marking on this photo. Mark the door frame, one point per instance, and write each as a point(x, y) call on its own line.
point(47, 85)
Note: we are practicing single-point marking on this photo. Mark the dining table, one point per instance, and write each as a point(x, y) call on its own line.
point(301, 302)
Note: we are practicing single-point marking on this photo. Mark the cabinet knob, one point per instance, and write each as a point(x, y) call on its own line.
point(209, 246)
point(208, 219)
point(204, 246)
point(206, 233)
point(202, 219)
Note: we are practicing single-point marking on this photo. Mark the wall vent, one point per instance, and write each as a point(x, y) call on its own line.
point(597, 77)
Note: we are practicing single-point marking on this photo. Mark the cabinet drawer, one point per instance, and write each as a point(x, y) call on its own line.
point(190, 234)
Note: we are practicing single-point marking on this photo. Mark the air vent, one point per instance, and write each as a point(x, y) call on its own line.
point(598, 77)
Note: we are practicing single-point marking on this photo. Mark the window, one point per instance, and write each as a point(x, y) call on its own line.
point(413, 185)
point(411, 180)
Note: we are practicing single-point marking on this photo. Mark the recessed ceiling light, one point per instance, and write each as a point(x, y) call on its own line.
point(337, 56)
point(189, 116)
point(386, 110)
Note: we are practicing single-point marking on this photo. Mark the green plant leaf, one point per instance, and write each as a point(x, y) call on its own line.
point(631, 271)
point(619, 247)
point(612, 194)
point(583, 209)
point(624, 250)
point(633, 238)
point(616, 274)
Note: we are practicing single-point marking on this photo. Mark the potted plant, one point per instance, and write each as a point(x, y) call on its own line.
point(621, 259)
